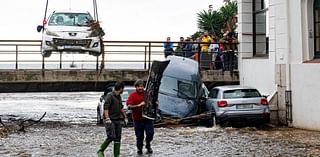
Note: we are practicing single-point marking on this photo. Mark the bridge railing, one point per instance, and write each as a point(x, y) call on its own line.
point(25, 54)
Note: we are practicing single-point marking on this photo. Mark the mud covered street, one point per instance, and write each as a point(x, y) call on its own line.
point(69, 129)
point(58, 139)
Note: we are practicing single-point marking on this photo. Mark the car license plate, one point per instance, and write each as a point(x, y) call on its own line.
point(244, 106)
point(71, 47)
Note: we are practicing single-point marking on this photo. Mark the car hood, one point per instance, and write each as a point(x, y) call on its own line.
point(69, 31)
point(176, 107)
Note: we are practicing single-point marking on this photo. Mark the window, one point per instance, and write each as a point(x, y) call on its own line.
point(214, 93)
point(70, 19)
point(260, 36)
point(176, 87)
point(317, 28)
point(241, 93)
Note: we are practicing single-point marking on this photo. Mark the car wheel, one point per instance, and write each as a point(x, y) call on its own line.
point(99, 117)
point(214, 120)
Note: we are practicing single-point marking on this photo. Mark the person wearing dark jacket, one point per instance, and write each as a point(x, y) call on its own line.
point(113, 115)
point(141, 125)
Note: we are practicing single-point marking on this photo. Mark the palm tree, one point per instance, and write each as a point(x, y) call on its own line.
point(229, 12)
point(214, 21)
point(210, 21)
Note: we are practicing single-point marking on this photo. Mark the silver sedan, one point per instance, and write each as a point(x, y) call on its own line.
point(237, 103)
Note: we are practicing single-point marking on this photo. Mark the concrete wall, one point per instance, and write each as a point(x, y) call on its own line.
point(258, 73)
point(105, 75)
point(305, 95)
point(290, 45)
point(254, 71)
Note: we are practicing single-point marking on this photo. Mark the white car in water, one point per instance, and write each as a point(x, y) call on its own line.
point(126, 92)
point(69, 31)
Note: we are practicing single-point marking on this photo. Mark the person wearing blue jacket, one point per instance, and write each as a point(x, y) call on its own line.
point(168, 47)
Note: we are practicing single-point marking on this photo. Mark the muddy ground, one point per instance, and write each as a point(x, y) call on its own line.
point(69, 130)
point(63, 139)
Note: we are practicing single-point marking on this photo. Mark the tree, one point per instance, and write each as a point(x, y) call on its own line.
point(229, 12)
point(210, 21)
point(223, 19)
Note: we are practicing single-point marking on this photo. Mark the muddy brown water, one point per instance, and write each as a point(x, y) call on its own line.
point(83, 140)
point(69, 130)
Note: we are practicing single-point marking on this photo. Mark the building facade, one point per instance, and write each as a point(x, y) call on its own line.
point(279, 53)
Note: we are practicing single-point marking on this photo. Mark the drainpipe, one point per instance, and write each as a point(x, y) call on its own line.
point(288, 92)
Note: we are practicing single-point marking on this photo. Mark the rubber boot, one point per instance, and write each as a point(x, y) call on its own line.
point(149, 149)
point(116, 149)
point(102, 147)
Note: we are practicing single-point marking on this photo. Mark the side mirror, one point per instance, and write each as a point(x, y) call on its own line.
point(39, 28)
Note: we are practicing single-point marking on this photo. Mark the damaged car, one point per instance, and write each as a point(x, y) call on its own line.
point(71, 31)
point(181, 94)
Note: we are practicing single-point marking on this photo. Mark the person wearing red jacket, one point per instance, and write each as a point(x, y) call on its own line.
point(141, 125)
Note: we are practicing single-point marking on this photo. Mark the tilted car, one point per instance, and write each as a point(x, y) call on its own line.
point(181, 90)
point(237, 103)
point(127, 91)
point(69, 31)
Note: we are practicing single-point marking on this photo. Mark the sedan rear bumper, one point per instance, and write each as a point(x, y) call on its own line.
point(264, 118)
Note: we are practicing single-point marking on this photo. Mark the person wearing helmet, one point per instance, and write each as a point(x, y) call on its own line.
point(141, 125)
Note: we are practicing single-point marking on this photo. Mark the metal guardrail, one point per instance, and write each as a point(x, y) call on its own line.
point(25, 54)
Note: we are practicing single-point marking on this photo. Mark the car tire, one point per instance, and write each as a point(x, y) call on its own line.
point(212, 122)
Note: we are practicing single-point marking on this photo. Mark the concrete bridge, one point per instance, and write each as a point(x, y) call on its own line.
point(23, 69)
point(87, 80)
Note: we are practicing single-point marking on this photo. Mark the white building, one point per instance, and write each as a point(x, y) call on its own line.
point(279, 53)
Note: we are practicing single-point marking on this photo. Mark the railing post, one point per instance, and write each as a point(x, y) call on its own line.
point(16, 57)
point(149, 55)
point(145, 57)
point(199, 56)
point(43, 63)
point(60, 60)
point(97, 63)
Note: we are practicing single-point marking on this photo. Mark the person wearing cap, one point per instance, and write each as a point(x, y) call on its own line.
point(141, 125)
point(113, 114)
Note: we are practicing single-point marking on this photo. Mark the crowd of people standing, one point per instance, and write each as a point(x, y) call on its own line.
point(208, 49)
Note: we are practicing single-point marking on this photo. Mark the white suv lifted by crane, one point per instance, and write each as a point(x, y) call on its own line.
point(70, 31)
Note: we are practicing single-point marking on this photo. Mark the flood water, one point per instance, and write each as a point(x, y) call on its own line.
point(69, 129)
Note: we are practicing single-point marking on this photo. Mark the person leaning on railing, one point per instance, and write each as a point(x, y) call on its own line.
point(206, 57)
point(229, 43)
point(205, 39)
point(188, 48)
point(179, 49)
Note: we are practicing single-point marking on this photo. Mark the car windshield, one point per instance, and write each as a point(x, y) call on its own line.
point(69, 19)
point(178, 87)
point(241, 93)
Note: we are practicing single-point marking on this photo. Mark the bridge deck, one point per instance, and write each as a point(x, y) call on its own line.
point(87, 80)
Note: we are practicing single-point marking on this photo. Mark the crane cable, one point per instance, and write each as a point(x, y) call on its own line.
point(95, 9)
point(44, 22)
